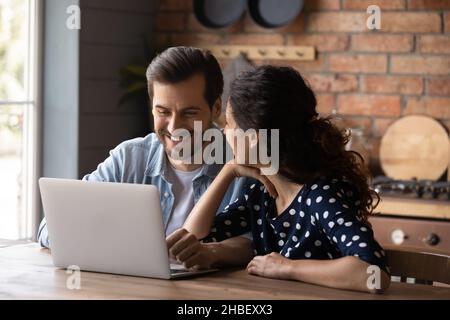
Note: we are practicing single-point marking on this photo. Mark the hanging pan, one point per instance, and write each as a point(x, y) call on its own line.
point(218, 13)
point(274, 13)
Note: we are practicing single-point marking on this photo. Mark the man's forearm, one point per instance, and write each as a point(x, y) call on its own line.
point(231, 252)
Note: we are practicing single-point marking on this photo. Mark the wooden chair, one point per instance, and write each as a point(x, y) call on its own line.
point(424, 267)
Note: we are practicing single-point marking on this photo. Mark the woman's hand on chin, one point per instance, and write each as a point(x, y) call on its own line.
point(272, 265)
point(239, 170)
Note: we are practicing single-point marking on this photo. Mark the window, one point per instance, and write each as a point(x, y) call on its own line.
point(18, 118)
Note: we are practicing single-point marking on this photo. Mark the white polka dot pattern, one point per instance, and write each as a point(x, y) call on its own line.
point(320, 223)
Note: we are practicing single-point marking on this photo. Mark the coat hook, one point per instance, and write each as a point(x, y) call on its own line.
point(262, 52)
point(281, 53)
point(226, 52)
point(299, 53)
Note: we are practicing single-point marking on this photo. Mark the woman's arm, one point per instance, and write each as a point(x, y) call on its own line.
point(202, 215)
point(348, 272)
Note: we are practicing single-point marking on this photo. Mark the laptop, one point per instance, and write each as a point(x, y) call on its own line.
point(108, 227)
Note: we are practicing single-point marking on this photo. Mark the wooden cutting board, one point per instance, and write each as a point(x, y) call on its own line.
point(415, 147)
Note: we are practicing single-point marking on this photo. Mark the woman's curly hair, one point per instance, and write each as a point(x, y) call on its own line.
point(273, 97)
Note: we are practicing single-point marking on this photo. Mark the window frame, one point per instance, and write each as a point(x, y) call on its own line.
point(30, 212)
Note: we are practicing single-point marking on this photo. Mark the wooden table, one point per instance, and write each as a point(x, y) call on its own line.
point(27, 272)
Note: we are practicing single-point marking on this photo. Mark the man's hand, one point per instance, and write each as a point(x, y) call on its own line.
point(186, 249)
point(272, 265)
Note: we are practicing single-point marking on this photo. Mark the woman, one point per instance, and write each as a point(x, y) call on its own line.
point(308, 221)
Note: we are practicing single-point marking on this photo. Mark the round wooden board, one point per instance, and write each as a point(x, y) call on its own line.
point(415, 147)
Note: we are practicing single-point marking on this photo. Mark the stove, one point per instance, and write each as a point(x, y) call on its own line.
point(416, 189)
point(413, 214)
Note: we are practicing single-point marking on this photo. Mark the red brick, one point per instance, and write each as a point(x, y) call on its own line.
point(428, 4)
point(195, 39)
point(434, 44)
point(369, 105)
point(382, 43)
point(332, 83)
point(321, 5)
point(439, 86)
point(383, 4)
point(409, 22)
point(195, 25)
point(358, 63)
point(175, 5)
point(392, 84)
point(326, 103)
point(298, 25)
point(421, 64)
point(256, 39)
point(170, 21)
point(322, 42)
point(432, 106)
point(380, 126)
point(337, 22)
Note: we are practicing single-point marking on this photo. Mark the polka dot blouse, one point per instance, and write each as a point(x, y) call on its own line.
point(319, 224)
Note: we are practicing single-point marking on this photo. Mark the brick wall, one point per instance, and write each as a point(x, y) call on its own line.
point(370, 78)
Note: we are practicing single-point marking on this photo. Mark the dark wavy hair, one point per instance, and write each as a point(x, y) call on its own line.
point(272, 97)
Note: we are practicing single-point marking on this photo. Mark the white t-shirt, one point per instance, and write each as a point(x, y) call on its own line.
point(183, 192)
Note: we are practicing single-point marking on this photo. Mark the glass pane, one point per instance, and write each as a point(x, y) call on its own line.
point(13, 49)
point(15, 44)
point(11, 182)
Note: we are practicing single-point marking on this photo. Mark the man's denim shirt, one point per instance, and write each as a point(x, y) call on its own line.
point(143, 160)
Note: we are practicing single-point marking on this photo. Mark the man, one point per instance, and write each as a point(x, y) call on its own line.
point(185, 85)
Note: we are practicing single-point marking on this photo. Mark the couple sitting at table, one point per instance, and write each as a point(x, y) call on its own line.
point(307, 221)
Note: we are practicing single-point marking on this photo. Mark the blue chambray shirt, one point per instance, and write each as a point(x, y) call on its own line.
point(143, 160)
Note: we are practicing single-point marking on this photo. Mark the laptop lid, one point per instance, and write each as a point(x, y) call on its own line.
point(105, 227)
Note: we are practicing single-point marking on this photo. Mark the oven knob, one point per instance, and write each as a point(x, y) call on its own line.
point(432, 239)
point(398, 236)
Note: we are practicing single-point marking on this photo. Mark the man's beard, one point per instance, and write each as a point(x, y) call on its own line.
point(194, 147)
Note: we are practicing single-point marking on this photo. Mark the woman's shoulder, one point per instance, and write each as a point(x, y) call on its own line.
point(330, 190)
point(253, 189)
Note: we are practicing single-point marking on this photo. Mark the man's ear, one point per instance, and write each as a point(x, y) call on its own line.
point(216, 109)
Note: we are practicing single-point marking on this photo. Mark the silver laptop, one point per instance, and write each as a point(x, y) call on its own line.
point(108, 227)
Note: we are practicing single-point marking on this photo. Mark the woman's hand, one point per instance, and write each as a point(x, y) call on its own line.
point(272, 265)
point(238, 170)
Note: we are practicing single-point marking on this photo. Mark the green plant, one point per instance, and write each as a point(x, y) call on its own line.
point(134, 83)
point(132, 77)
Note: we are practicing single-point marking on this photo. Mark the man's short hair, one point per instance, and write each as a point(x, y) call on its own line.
point(177, 64)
